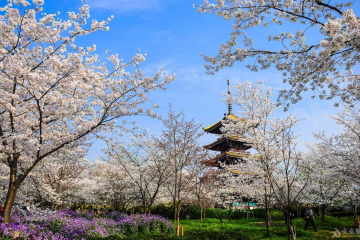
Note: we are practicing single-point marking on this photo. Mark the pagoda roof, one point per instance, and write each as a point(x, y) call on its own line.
point(229, 158)
point(226, 139)
point(215, 128)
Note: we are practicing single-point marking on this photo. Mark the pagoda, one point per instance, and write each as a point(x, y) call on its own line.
point(232, 148)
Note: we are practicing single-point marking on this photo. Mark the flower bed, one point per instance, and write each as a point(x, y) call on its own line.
point(67, 224)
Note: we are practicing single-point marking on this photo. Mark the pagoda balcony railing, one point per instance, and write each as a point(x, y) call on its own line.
point(241, 152)
point(237, 136)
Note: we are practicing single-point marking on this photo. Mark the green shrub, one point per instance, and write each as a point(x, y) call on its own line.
point(341, 214)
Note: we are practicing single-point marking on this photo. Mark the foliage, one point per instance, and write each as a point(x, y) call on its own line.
point(193, 211)
point(68, 224)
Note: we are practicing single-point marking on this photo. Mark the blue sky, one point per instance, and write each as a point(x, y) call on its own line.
point(173, 35)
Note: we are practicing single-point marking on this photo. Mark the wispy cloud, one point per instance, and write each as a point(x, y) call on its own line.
point(160, 35)
point(125, 6)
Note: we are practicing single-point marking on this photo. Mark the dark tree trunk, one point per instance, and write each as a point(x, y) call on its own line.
point(174, 211)
point(287, 213)
point(323, 209)
point(219, 213)
point(229, 216)
point(356, 217)
point(201, 216)
point(267, 207)
point(298, 210)
point(204, 211)
point(178, 209)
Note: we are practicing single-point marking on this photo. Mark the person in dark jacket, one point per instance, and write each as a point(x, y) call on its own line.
point(309, 218)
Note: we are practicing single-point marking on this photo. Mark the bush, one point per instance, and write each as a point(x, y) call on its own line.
point(193, 211)
point(341, 214)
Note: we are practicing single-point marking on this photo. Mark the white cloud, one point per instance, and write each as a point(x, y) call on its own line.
point(125, 6)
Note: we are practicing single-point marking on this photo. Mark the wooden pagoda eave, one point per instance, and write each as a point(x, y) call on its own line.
point(227, 156)
point(214, 128)
point(216, 146)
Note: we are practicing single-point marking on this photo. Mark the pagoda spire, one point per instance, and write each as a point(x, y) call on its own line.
point(229, 101)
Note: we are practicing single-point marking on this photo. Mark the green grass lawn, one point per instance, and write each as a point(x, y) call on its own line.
point(249, 229)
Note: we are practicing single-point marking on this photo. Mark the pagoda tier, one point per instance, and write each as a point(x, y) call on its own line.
point(229, 143)
point(230, 158)
point(216, 127)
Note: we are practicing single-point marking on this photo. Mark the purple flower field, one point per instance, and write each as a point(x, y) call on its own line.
point(68, 224)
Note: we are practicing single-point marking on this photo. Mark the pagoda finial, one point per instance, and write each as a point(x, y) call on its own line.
point(229, 101)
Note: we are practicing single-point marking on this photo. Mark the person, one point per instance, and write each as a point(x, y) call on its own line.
point(28, 206)
point(309, 218)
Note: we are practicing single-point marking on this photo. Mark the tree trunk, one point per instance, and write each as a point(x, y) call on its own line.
point(178, 214)
point(204, 214)
point(229, 214)
point(293, 232)
point(288, 222)
point(219, 213)
point(9, 202)
point(267, 209)
point(356, 217)
point(11, 194)
point(201, 214)
point(144, 206)
point(298, 210)
point(323, 208)
point(175, 211)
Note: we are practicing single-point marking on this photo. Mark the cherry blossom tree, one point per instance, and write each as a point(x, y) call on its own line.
point(55, 180)
point(205, 190)
point(113, 186)
point(179, 140)
point(341, 153)
point(290, 175)
point(277, 162)
point(325, 185)
point(324, 65)
point(145, 164)
point(55, 93)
